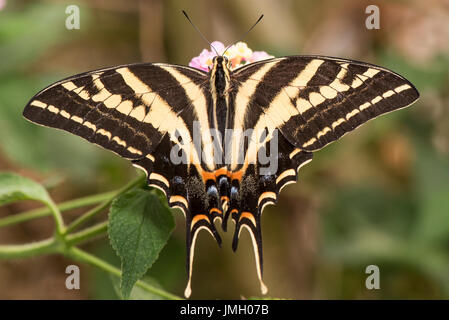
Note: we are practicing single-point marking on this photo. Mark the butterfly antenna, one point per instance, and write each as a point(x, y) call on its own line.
point(245, 34)
point(198, 30)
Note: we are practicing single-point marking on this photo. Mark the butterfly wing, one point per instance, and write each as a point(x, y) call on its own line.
point(314, 100)
point(126, 109)
point(310, 101)
point(141, 112)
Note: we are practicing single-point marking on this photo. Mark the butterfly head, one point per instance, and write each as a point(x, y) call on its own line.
point(221, 62)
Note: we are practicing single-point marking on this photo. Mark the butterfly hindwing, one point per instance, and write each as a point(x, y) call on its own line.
point(256, 188)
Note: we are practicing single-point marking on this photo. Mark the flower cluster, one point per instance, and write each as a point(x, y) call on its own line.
point(238, 54)
point(2, 4)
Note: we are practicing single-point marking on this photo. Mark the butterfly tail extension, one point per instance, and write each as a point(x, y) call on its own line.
point(194, 224)
point(251, 222)
point(246, 214)
point(204, 207)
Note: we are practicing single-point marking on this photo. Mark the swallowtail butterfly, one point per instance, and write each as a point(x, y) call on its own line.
point(144, 111)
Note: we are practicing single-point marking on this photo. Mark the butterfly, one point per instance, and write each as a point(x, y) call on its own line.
point(203, 137)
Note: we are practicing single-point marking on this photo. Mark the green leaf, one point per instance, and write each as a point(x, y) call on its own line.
point(15, 188)
point(137, 293)
point(139, 227)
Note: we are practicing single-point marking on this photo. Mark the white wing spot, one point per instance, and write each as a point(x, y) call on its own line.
point(364, 106)
point(53, 109)
point(315, 98)
point(402, 88)
point(376, 100)
point(39, 104)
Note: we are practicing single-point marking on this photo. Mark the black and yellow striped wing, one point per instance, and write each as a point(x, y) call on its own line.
point(310, 101)
point(141, 112)
point(314, 100)
point(126, 109)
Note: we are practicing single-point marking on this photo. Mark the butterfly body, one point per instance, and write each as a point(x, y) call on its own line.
point(223, 143)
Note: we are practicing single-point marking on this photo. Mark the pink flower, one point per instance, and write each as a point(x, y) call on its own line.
point(203, 61)
point(2, 4)
point(238, 54)
point(259, 55)
point(219, 46)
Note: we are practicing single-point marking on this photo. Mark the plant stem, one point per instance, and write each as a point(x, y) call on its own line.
point(46, 211)
point(28, 250)
point(59, 222)
point(63, 243)
point(89, 214)
point(98, 209)
point(82, 256)
point(52, 245)
point(87, 234)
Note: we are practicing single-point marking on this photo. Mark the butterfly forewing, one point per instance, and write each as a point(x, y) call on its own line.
point(315, 100)
point(126, 109)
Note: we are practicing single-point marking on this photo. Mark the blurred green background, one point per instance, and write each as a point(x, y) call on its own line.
point(379, 196)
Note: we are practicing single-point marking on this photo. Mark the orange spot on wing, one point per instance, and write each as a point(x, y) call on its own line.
point(198, 218)
point(215, 210)
point(237, 175)
point(208, 176)
point(248, 215)
point(222, 172)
